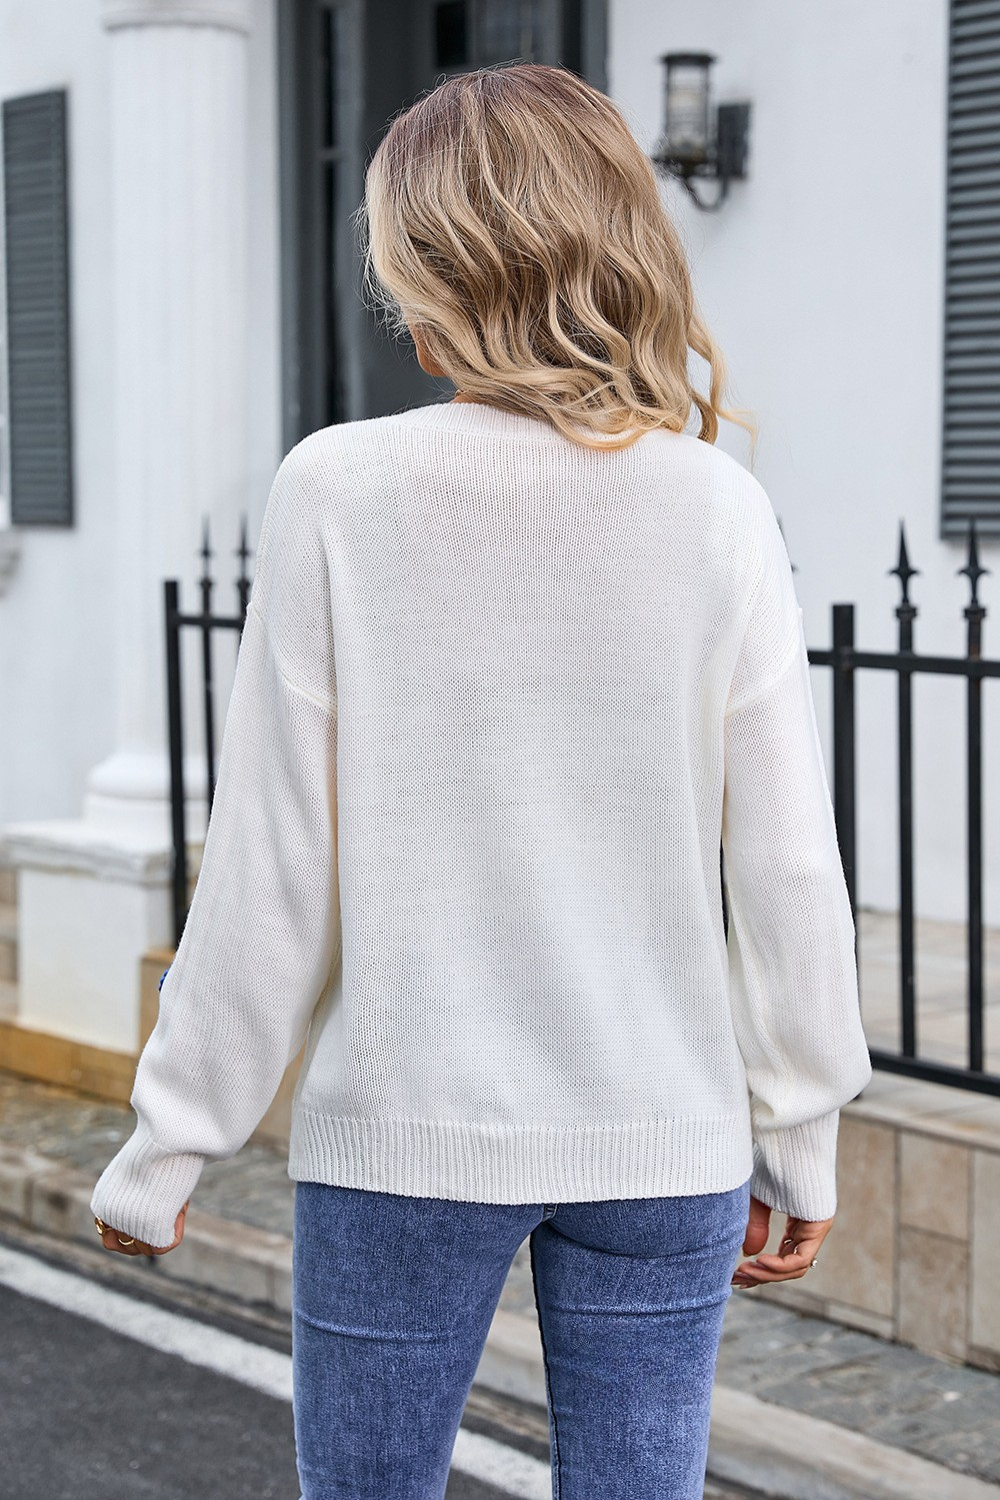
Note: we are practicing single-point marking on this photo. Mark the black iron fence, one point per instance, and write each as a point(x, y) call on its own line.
point(205, 621)
point(846, 659)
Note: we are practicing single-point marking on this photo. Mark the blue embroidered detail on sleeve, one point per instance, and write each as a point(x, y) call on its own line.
point(162, 978)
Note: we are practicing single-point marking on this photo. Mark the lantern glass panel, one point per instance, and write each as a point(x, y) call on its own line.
point(687, 127)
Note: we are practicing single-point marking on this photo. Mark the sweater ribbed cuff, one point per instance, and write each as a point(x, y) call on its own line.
point(795, 1168)
point(144, 1187)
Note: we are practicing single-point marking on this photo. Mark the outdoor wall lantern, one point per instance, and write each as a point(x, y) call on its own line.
point(689, 147)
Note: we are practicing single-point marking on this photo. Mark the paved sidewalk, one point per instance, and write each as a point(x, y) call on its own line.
point(803, 1407)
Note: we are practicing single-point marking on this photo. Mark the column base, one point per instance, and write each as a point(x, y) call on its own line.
point(128, 794)
point(92, 901)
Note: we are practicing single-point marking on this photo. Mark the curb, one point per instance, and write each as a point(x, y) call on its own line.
point(752, 1442)
point(252, 1264)
point(759, 1444)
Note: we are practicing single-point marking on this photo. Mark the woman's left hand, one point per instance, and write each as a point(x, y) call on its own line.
point(111, 1240)
point(797, 1252)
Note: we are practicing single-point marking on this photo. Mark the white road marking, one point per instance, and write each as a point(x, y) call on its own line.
point(504, 1468)
point(266, 1370)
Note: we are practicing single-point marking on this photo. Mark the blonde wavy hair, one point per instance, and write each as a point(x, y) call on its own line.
point(511, 216)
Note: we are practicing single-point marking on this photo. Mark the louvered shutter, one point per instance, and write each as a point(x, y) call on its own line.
point(971, 427)
point(36, 244)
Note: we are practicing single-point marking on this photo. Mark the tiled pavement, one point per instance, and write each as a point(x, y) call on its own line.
point(941, 1411)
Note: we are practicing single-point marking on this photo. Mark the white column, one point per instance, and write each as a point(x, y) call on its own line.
point(94, 892)
point(178, 129)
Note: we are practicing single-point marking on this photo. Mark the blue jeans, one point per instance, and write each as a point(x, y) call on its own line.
point(393, 1296)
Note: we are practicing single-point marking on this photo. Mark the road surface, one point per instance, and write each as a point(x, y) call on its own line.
point(109, 1389)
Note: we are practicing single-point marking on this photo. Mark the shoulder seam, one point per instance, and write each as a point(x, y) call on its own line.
point(759, 693)
point(330, 706)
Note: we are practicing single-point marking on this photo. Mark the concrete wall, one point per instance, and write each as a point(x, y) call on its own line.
point(822, 279)
point(57, 641)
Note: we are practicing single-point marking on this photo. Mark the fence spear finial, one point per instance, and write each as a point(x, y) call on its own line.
point(902, 570)
point(243, 550)
point(205, 550)
point(243, 553)
point(973, 569)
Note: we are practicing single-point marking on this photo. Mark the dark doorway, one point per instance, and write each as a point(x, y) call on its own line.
point(346, 67)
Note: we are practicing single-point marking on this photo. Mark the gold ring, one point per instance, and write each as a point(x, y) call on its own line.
point(102, 1230)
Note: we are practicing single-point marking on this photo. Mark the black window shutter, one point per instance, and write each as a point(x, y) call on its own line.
point(36, 243)
point(970, 487)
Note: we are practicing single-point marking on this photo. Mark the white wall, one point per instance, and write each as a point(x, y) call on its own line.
point(56, 645)
point(822, 279)
point(57, 642)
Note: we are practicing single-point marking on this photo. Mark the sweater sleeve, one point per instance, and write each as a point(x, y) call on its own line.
point(263, 928)
point(793, 972)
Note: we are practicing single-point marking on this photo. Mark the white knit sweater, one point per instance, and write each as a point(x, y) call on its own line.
point(497, 701)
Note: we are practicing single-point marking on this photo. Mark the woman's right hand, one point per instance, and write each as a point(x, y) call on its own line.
point(799, 1247)
point(111, 1240)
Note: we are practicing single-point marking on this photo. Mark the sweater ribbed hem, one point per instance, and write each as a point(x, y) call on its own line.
point(143, 1188)
point(481, 1163)
point(795, 1168)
